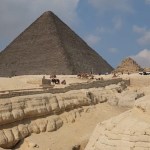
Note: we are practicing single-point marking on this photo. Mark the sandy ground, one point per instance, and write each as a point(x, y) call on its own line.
point(79, 131)
point(71, 134)
point(34, 81)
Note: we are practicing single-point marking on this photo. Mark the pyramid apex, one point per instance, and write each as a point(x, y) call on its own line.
point(48, 13)
point(129, 58)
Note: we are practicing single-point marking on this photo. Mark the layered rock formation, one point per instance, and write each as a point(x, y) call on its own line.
point(23, 115)
point(128, 131)
point(128, 65)
point(49, 46)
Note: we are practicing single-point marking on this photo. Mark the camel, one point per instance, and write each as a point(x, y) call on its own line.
point(55, 81)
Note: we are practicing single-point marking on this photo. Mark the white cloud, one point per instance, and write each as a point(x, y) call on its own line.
point(92, 39)
point(138, 29)
point(144, 33)
point(147, 1)
point(145, 39)
point(113, 50)
point(101, 30)
point(66, 9)
point(143, 58)
point(118, 23)
point(16, 15)
point(109, 5)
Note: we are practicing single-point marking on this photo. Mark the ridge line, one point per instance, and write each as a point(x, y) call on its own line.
point(69, 64)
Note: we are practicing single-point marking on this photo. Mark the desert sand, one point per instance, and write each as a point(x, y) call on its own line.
point(78, 131)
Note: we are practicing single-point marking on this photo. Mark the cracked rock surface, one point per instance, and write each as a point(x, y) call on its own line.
point(128, 131)
point(23, 115)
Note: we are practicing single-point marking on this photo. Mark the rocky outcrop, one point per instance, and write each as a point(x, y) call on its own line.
point(128, 131)
point(21, 116)
point(24, 115)
point(12, 135)
point(19, 108)
point(117, 95)
point(128, 65)
point(22, 107)
point(128, 98)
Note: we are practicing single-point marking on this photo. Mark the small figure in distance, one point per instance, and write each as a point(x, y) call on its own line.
point(101, 79)
point(55, 81)
point(114, 75)
point(76, 147)
point(53, 76)
point(79, 75)
point(92, 77)
point(43, 80)
point(63, 82)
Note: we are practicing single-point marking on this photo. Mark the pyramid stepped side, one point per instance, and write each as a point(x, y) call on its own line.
point(82, 58)
point(128, 65)
point(37, 50)
point(49, 46)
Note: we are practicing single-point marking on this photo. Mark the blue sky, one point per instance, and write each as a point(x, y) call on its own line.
point(116, 29)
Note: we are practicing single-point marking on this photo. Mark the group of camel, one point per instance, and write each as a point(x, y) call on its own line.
point(53, 80)
point(85, 76)
point(88, 76)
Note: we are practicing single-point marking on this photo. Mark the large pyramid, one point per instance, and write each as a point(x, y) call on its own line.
point(128, 65)
point(49, 46)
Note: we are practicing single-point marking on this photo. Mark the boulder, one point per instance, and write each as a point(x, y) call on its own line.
point(128, 98)
point(24, 115)
point(128, 131)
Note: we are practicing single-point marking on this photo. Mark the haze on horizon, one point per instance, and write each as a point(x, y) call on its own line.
point(115, 29)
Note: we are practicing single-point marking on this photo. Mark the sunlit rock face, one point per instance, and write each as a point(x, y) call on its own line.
point(128, 131)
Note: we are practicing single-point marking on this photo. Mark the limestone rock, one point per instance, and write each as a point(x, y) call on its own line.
point(113, 100)
point(130, 130)
point(21, 107)
point(143, 104)
point(9, 137)
point(128, 98)
point(21, 115)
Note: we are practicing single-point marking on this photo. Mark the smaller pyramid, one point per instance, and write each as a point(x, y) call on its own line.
point(128, 65)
